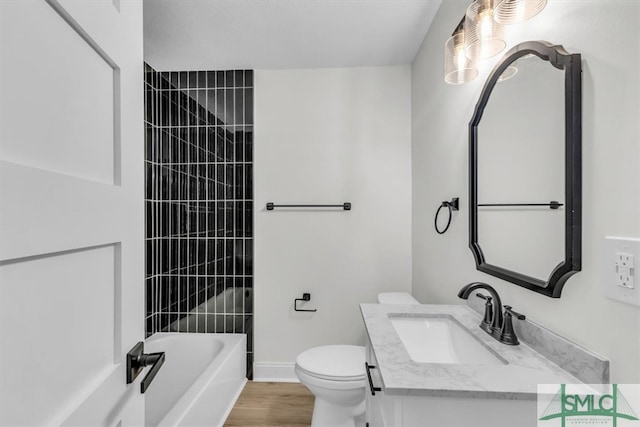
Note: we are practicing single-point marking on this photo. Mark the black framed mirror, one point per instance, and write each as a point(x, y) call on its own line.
point(525, 170)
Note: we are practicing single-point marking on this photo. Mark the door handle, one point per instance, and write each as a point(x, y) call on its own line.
point(137, 360)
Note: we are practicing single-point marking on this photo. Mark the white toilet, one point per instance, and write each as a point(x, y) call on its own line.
point(335, 374)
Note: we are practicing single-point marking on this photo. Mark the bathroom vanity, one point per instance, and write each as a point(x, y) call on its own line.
point(431, 365)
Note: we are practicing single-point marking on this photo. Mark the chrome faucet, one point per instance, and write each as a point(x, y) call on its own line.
point(494, 323)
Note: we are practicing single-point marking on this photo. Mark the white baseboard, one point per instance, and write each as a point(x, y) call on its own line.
point(274, 372)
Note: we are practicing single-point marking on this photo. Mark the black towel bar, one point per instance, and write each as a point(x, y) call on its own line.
point(552, 204)
point(346, 206)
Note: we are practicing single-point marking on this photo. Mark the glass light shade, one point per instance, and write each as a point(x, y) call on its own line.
point(484, 36)
point(514, 11)
point(457, 67)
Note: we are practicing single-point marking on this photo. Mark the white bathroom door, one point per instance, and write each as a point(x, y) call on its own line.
point(71, 211)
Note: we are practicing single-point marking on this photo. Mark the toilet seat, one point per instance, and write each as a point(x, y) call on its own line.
point(333, 363)
point(312, 381)
point(329, 377)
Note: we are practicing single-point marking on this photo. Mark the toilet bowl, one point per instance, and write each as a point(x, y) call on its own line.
point(335, 374)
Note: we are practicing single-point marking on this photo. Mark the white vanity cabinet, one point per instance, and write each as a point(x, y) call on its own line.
point(393, 410)
point(381, 409)
point(435, 367)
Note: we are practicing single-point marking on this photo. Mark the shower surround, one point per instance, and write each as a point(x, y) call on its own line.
point(199, 202)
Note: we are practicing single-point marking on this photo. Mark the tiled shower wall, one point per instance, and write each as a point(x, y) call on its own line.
point(199, 202)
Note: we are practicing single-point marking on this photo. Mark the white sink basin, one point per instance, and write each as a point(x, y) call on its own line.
point(441, 340)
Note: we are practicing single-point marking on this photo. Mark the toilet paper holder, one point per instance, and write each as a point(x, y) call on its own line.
point(305, 297)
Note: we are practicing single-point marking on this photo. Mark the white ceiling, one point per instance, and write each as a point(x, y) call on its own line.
point(255, 34)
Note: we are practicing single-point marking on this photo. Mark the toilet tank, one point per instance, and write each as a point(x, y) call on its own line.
point(396, 298)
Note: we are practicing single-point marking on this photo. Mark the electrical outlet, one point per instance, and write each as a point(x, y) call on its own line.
point(624, 270)
point(618, 269)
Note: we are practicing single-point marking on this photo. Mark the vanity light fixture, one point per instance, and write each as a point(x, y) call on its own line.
point(484, 36)
point(516, 11)
point(480, 35)
point(457, 67)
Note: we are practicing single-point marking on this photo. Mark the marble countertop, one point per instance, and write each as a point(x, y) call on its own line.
point(518, 378)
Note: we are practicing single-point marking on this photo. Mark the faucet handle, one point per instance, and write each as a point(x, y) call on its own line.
point(484, 297)
point(507, 333)
point(488, 313)
point(508, 312)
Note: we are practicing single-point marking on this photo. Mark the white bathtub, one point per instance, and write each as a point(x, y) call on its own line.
point(202, 376)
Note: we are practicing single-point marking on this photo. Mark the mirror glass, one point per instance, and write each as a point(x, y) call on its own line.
point(521, 161)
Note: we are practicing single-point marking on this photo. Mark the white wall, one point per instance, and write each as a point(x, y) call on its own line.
point(607, 36)
point(329, 136)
